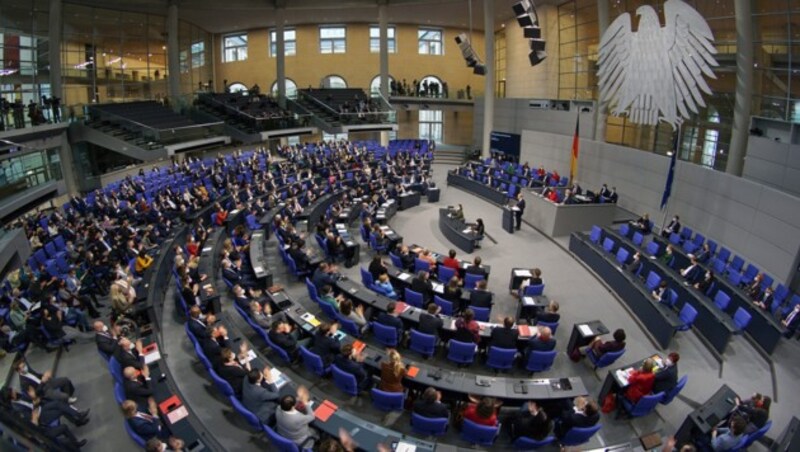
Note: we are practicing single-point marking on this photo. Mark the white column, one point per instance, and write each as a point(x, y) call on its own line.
point(280, 57)
point(600, 114)
point(54, 37)
point(744, 87)
point(384, 138)
point(384, 48)
point(173, 54)
point(488, 87)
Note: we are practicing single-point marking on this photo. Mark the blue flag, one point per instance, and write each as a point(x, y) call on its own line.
point(670, 174)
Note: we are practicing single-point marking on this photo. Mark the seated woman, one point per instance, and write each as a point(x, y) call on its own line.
point(640, 381)
point(467, 329)
point(385, 287)
point(356, 314)
point(482, 411)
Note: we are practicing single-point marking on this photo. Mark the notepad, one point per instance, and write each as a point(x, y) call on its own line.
point(524, 330)
point(170, 404)
point(523, 273)
point(358, 346)
point(585, 330)
point(404, 276)
point(309, 317)
point(412, 372)
point(400, 307)
point(528, 301)
point(177, 414)
point(151, 353)
point(325, 410)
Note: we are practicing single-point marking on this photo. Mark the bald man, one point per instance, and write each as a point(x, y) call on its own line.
point(137, 387)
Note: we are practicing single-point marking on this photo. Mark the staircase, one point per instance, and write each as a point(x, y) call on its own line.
point(321, 117)
point(448, 155)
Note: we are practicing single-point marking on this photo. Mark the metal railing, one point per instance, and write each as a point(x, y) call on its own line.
point(287, 120)
point(168, 135)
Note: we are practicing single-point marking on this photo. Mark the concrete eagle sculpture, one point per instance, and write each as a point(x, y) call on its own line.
point(656, 73)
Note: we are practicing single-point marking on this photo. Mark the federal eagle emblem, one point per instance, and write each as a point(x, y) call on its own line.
point(656, 73)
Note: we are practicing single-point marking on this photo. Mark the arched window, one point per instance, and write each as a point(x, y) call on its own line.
point(434, 86)
point(237, 87)
point(333, 81)
point(375, 85)
point(291, 88)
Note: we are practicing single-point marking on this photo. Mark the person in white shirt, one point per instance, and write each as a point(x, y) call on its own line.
point(294, 417)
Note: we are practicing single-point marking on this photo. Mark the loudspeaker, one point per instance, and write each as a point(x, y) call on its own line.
point(468, 53)
point(532, 32)
point(537, 57)
point(537, 45)
point(525, 11)
point(479, 70)
point(521, 8)
point(525, 20)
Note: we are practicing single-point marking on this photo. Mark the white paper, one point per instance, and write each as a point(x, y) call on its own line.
point(528, 301)
point(340, 226)
point(467, 231)
point(277, 377)
point(251, 355)
point(258, 269)
point(523, 273)
point(405, 447)
point(207, 249)
point(585, 330)
point(622, 376)
point(438, 288)
point(515, 209)
point(404, 276)
point(152, 357)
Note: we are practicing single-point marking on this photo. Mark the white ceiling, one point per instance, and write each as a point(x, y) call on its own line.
point(222, 16)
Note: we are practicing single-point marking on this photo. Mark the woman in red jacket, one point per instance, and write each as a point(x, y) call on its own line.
point(482, 411)
point(640, 382)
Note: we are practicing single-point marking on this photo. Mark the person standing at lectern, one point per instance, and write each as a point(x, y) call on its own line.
point(519, 209)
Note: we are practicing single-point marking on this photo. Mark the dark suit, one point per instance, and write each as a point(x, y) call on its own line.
point(128, 358)
point(548, 317)
point(147, 426)
point(693, 274)
point(138, 391)
point(429, 324)
point(198, 328)
point(212, 349)
point(54, 389)
point(285, 341)
point(518, 213)
point(423, 287)
point(234, 375)
point(475, 270)
point(526, 424)
point(665, 379)
point(538, 345)
point(106, 343)
point(503, 337)
point(674, 227)
point(326, 347)
point(390, 320)
point(571, 419)
point(321, 278)
point(356, 369)
point(480, 299)
point(435, 410)
point(407, 260)
point(261, 400)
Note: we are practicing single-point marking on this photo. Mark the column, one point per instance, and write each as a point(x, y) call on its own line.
point(280, 57)
point(384, 47)
point(173, 54)
point(744, 87)
point(54, 52)
point(488, 88)
point(600, 114)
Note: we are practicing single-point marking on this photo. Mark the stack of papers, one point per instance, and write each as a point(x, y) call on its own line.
point(278, 379)
point(325, 410)
point(522, 273)
point(528, 301)
point(404, 276)
point(585, 330)
point(403, 446)
point(622, 375)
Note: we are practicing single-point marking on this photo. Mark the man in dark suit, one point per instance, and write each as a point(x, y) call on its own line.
point(128, 354)
point(324, 343)
point(519, 209)
point(232, 371)
point(197, 325)
point(212, 344)
point(146, 424)
point(390, 318)
point(480, 297)
point(667, 378)
point(406, 258)
point(105, 339)
point(674, 227)
point(281, 335)
point(351, 362)
point(45, 384)
point(532, 423)
point(550, 314)
point(693, 272)
point(765, 300)
point(422, 284)
point(430, 405)
point(260, 395)
point(324, 275)
point(137, 388)
point(505, 336)
point(584, 414)
point(46, 412)
point(300, 258)
point(476, 268)
point(430, 322)
point(542, 342)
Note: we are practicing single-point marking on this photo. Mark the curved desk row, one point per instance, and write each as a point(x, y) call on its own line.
point(478, 188)
point(454, 385)
point(454, 230)
point(764, 328)
point(462, 264)
point(660, 321)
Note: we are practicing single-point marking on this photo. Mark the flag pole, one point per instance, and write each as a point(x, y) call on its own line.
point(675, 149)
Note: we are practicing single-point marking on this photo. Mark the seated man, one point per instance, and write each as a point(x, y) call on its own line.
point(543, 341)
point(725, 439)
point(350, 361)
point(693, 272)
point(146, 424)
point(326, 296)
point(325, 274)
point(44, 413)
point(505, 336)
point(324, 343)
point(300, 258)
point(430, 322)
point(477, 269)
point(532, 423)
point(45, 385)
point(391, 318)
point(137, 387)
point(791, 322)
point(667, 377)
point(284, 336)
point(293, 419)
point(585, 413)
point(600, 347)
point(481, 297)
point(422, 285)
point(550, 314)
point(406, 258)
point(430, 405)
point(260, 395)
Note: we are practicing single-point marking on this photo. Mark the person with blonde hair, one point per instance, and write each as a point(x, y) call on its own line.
point(392, 373)
point(640, 382)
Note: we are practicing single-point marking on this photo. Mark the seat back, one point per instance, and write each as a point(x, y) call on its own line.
point(461, 352)
point(424, 344)
point(344, 381)
point(607, 358)
point(277, 441)
point(481, 314)
point(735, 278)
point(533, 290)
point(718, 266)
point(366, 278)
point(653, 248)
point(248, 416)
point(312, 291)
point(687, 315)
point(622, 256)
point(579, 435)
point(736, 264)
point(672, 297)
point(313, 362)
point(638, 238)
point(386, 335)
point(350, 327)
point(608, 244)
point(413, 298)
point(420, 264)
point(596, 234)
point(669, 395)
point(724, 254)
point(540, 361)
point(224, 387)
point(722, 300)
point(686, 233)
point(445, 274)
point(675, 239)
point(552, 325)
point(115, 369)
point(429, 426)
point(757, 435)
point(471, 279)
point(482, 435)
point(501, 358)
point(388, 401)
point(447, 307)
point(741, 319)
point(134, 436)
point(646, 404)
point(653, 280)
point(625, 230)
point(396, 261)
point(119, 393)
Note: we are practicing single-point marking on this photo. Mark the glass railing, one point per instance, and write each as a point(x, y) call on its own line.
point(274, 120)
point(23, 172)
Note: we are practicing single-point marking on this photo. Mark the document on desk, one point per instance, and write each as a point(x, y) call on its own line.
point(515, 209)
point(528, 301)
point(404, 276)
point(585, 330)
point(522, 273)
point(467, 231)
point(258, 269)
point(207, 249)
point(251, 355)
point(151, 354)
point(341, 226)
point(309, 317)
point(438, 287)
point(278, 378)
point(622, 375)
point(177, 414)
point(403, 446)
